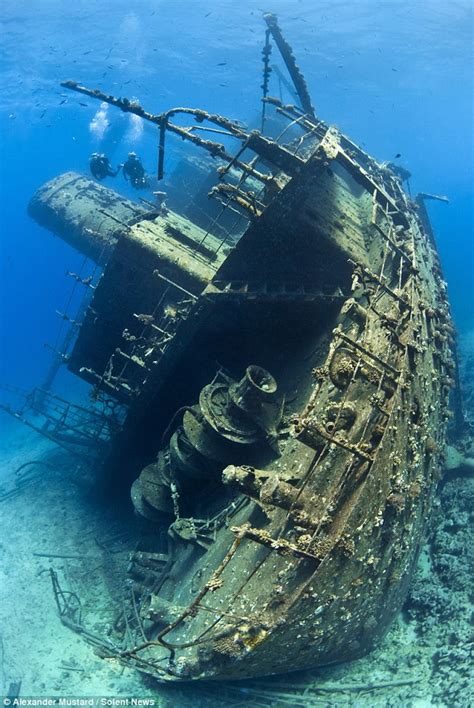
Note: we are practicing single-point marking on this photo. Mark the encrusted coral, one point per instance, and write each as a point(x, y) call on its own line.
point(341, 368)
point(396, 501)
point(228, 646)
point(347, 546)
point(320, 373)
point(431, 446)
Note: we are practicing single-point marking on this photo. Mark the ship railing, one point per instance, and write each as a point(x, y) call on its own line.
point(127, 369)
point(73, 313)
point(250, 203)
point(83, 431)
point(242, 197)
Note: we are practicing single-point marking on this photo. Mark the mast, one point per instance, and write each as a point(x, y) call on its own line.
point(290, 63)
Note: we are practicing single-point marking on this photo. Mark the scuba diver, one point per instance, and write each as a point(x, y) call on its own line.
point(134, 171)
point(100, 166)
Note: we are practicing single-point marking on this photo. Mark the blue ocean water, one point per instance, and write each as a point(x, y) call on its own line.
point(395, 75)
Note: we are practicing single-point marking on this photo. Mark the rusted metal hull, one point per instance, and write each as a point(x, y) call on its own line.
point(318, 568)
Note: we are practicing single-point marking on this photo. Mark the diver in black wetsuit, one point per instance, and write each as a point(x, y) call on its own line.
point(134, 171)
point(100, 166)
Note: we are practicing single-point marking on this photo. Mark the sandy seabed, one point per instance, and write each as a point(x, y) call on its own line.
point(47, 510)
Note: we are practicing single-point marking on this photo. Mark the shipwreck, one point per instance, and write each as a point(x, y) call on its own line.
point(282, 356)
